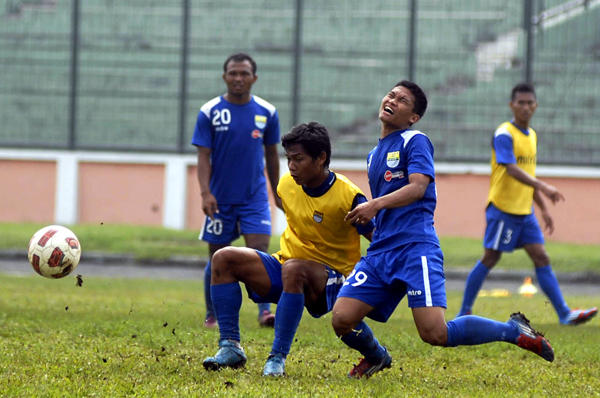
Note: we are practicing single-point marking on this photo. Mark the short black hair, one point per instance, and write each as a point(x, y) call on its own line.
point(420, 98)
point(313, 137)
point(522, 88)
point(240, 57)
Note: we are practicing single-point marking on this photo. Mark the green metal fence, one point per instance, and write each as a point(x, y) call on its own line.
point(132, 74)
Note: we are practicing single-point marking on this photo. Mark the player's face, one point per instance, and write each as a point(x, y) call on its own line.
point(304, 169)
point(239, 78)
point(396, 108)
point(523, 107)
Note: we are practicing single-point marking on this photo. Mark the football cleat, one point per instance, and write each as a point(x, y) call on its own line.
point(230, 355)
point(210, 322)
point(275, 365)
point(531, 340)
point(577, 317)
point(366, 369)
point(267, 319)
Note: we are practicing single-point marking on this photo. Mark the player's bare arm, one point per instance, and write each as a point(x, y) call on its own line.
point(209, 202)
point(548, 220)
point(406, 195)
point(272, 162)
point(548, 190)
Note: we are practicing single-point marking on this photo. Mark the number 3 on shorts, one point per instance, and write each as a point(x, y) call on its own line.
point(360, 277)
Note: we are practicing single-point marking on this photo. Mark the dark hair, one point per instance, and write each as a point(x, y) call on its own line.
point(522, 88)
point(420, 98)
point(240, 57)
point(313, 137)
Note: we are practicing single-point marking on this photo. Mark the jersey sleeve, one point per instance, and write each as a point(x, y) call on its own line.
point(503, 145)
point(362, 229)
point(420, 156)
point(203, 135)
point(271, 134)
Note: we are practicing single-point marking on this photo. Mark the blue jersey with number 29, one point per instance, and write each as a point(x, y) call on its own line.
point(236, 135)
point(390, 163)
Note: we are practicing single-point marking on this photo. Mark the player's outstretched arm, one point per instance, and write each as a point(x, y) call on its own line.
point(548, 190)
point(406, 195)
point(548, 220)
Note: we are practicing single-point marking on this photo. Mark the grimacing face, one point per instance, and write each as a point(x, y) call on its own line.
point(304, 169)
point(239, 78)
point(397, 108)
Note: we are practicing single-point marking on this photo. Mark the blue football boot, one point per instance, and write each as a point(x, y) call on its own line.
point(230, 355)
point(275, 365)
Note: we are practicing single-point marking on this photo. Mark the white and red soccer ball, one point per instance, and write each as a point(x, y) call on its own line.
point(54, 251)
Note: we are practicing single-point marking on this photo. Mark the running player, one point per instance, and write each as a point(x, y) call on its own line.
point(511, 222)
point(404, 258)
point(233, 133)
point(318, 249)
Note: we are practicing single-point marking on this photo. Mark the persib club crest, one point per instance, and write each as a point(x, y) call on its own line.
point(393, 159)
point(318, 216)
point(260, 121)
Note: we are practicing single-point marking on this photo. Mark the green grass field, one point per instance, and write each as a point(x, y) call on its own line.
point(160, 243)
point(143, 338)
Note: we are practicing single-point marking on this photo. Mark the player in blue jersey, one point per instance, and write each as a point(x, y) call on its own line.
point(404, 258)
point(511, 222)
point(234, 133)
point(318, 249)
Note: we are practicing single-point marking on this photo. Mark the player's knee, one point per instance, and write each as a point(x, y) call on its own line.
point(223, 260)
point(436, 336)
point(342, 324)
point(293, 269)
point(293, 272)
point(541, 259)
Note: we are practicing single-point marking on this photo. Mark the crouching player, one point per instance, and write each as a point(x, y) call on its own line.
point(318, 250)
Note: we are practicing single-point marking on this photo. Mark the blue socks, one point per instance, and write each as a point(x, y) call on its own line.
point(361, 339)
point(287, 318)
point(227, 301)
point(474, 282)
point(475, 330)
point(549, 285)
point(207, 298)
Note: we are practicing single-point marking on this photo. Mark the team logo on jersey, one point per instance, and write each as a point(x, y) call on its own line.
point(260, 121)
point(393, 159)
point(389, 175)
point(318, 216)
point(257, 134)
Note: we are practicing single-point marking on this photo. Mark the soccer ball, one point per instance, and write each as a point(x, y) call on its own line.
point(54, 251)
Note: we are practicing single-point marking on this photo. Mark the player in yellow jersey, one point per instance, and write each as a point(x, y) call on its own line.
point(511, 223)
point(318, 250)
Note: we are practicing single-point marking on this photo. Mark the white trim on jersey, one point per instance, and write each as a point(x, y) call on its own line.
point(209, 105)
point(428, 302)
point(265, 104)
point(407, 135)
point(498, 235)
point(502, 131)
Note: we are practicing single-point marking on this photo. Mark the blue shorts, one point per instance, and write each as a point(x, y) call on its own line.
point(273, 267)
point(233, 220)
point(506, 232)
point(383, 279)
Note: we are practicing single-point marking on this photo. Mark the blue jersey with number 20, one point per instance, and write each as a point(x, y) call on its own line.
point(236, 135)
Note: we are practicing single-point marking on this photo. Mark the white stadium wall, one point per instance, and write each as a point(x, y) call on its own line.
point(65, 187)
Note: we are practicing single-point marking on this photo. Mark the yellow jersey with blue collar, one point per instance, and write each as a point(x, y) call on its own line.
point(507, 193)
point(316, 229)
